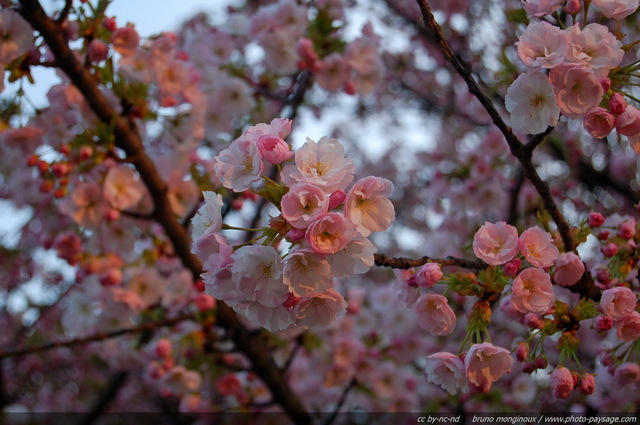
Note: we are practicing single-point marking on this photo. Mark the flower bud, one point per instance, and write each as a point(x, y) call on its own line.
point(595, 219)
point(522, 351)
point(602, 323)
point(587, 384)
point(609, 249)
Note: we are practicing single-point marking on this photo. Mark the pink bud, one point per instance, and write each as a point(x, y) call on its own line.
point(626, 229)
point(540, 363)
point(617, 104)
point(428, 275)
point(511, 268)
point(604, 235)
point(533, 321)
point(111, 278)
point(274, 149)
point(110, 24)
point(598, 122)
point(295, 235)
point(595, 219)
point(522, 351)
point(336, 199)
point(111, 215)
point(163, 348)
point(628, 122)
point(609, 249)
point(573, 7)
point(606, 84)
point(86, 152)
point(97, 51)
point(602, 323)
point(587, 384)
point(204, 302)
point(349, 87)
point(561, 382)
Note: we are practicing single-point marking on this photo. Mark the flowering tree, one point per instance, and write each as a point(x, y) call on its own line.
point(460, 237)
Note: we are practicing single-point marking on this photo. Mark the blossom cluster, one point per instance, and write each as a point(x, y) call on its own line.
point(574, 71)
point(325, 221)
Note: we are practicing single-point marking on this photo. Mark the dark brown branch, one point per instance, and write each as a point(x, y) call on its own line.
point(407, 263)
point(64, 14)
point(110, 392)
point(343, 398)
point(522, 153)
point(514, 195)
point(128, 139)
point(94, 338)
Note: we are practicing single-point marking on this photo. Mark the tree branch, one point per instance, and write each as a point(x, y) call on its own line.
point(94, 338)
point(407, 263)
point(522, 153)
point(128, 139)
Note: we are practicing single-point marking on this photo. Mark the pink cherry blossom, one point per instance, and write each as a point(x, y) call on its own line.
point(569, 269)
point(240, 165)
point(628, 328)
point(532, 291)
point(212, 248)
point(435, 315)
point(209, 215)
point(447, 371)
point(537, 247)
point(428, 275)
point(322, 164)
point(628, 122)
point(618, 302)
point(16, 35)
point(122, 188)
point(542, 45)
point(598, 122)
point(257, 272)
point(367, 205)
point(594, 46)
point(531, 102)
point(178, 380)
point(617, 9)
point(306, 270)
point(356, 258)
point(486, 363)
point(303, 204)
point(330, 233)
point(125, 41)
point(333, 72)
point(561, 382)
point(85, 204)
point(576, 88)
point(496, 243)
point(627, 374)
point(539, 8)
point(319, 308)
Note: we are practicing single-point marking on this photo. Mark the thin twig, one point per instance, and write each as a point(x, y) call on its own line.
point(110, 392)
point(343, 398)
point(94, 338)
